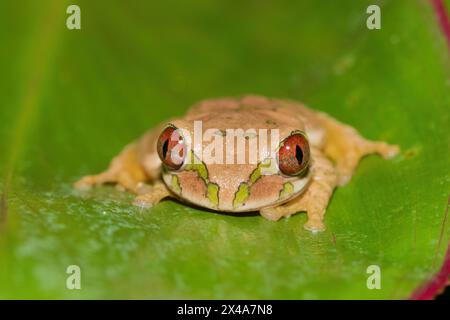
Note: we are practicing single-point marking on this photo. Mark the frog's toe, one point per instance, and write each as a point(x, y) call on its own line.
point(387, 151)
point(391, 151)
point(85, 183)
point(151, 195)
point(314, 225)
point(144, 201)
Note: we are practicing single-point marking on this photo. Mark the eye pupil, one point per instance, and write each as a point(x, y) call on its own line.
point(299, 154)
point(165, 148)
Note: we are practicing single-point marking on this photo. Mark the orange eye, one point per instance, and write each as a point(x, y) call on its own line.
point(171, 148)
point(293, 155)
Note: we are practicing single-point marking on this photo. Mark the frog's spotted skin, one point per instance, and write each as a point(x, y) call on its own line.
point(288, 190)
point(175, 185)
point(335, 150)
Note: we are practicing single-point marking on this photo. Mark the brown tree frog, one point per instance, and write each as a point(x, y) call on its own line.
point(313, 155)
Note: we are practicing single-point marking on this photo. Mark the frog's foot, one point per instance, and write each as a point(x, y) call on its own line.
point(124, 170)
point(151, 195)
point(315, 214)
point(315, 198)
point(315, 221)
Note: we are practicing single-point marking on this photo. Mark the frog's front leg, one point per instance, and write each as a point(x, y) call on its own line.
point(345, 146)
point(126, 171)
point(315, 198)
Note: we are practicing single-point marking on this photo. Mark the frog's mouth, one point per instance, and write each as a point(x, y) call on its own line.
point(251, 195)
point(276, 190)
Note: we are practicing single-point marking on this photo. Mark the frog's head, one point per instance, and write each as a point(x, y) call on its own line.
point(202, 172)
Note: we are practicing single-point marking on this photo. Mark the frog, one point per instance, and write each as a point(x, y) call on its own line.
point(313, 155)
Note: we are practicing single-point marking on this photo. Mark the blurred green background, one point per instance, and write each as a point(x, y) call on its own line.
point(71, 99)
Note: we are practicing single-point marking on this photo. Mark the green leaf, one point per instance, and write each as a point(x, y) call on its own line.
point(71, 99)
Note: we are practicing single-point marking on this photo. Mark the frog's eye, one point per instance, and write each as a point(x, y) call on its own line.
point(293, 154)
point(171, 148)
